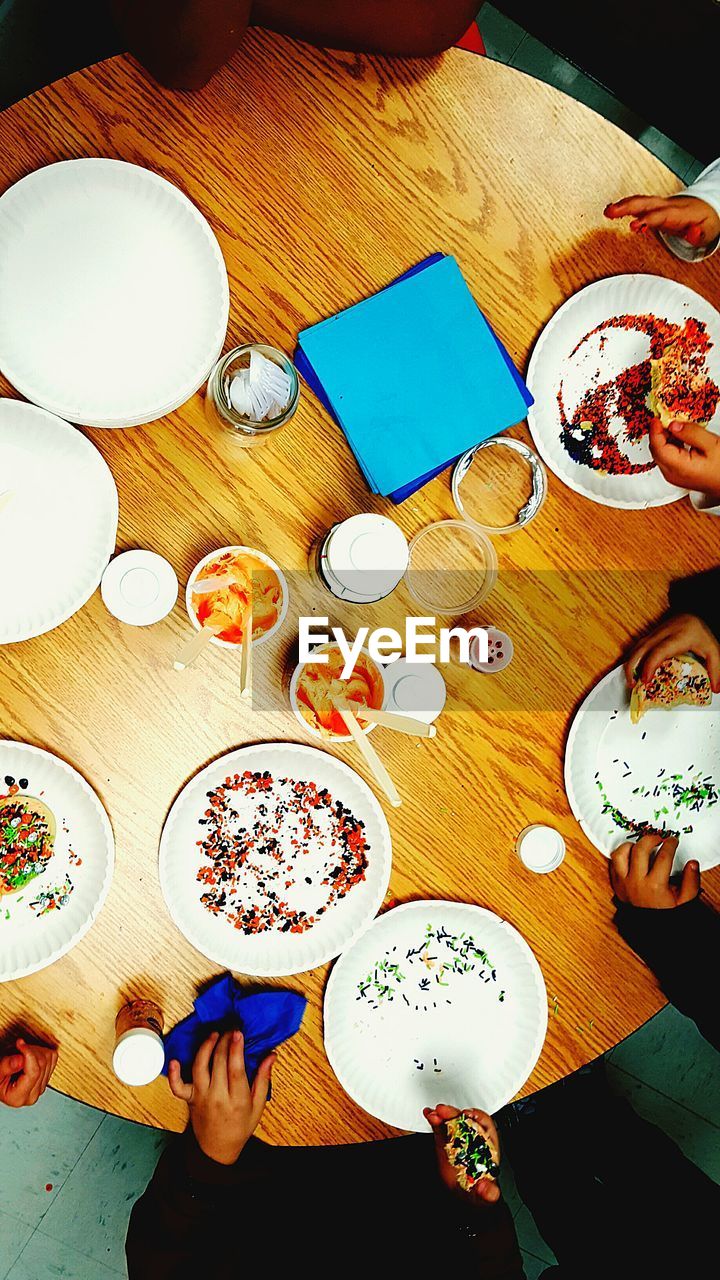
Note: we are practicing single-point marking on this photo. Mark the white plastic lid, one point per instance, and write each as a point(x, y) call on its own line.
point(139, 587)
point(139, 1056)
point(414, 689)
point(540, 848)
point(365, 557)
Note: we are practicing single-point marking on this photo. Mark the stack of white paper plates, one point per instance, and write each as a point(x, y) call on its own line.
point(113, 292)
point(435, 1002)
point(58, 520)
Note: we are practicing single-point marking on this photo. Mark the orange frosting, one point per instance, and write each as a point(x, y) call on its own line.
point(226, 608)
point(318, 683)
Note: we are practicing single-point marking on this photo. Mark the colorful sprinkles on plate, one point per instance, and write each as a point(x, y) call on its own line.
point(53, 899)
point(277, 853)
point(617, 411)
point(676, 796)
point(421, 976)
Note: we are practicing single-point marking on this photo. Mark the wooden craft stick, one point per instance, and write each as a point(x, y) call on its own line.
point(391, 720)
point(219, 581)
point(246, 655)
point(368, 752)
point(194, 647)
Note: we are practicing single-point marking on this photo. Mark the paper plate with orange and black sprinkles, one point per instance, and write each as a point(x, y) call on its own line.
point(590, 375)
point(274, 858)
point(56, 858)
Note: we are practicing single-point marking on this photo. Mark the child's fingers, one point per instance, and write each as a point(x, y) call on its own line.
point(237, 1075)
point(635, 206)
point(487, 1190)
point(689, 882)
point(178, 1086)
point(671, 217)
point(10, 1065)
point(201, 1065)
point(661, 869)
point(697, 437)
point(261, 1088)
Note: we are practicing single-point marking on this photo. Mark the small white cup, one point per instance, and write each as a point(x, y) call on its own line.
point(541, 849)
point(139, 1056)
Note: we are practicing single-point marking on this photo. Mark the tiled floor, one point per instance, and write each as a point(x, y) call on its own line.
point(71, 1174)
point(95, 1166)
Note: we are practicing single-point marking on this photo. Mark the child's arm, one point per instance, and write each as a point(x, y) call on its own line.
point(689, 222)
point(689, 456)
point(24, 1075)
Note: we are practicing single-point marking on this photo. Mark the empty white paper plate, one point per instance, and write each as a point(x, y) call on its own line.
point(113, 292)
point(273, 858)
point(58, 520)
point(435, 1002)
point(45, 919)
point(574, 359)
point(662, 773)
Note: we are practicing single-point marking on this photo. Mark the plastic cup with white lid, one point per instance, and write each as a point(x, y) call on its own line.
point(363, 558)
point(452, 568)
point(540, 848)
point(139, 1056)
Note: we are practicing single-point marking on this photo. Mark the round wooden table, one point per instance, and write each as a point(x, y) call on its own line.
point(325, 175)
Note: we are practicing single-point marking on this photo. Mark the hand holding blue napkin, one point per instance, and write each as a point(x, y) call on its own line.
point(266, 1019)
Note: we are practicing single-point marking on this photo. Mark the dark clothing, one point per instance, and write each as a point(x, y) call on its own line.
point(699, 595)
point(682, 947)
point(612, 1195)
point(682, 944)
point(323, 1210)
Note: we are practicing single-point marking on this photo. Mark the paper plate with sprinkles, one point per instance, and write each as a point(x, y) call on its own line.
point(273, 858)
point(590, 375)
point(435, 1002)
point(661, 774)
point(56, 858)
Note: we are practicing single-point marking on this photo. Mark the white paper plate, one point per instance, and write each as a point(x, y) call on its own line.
point(33, 933)
point(113, 292)
point(58, 525)
point(552, 364)
point(454, 1040)
point(603, 746)
point(273, 952)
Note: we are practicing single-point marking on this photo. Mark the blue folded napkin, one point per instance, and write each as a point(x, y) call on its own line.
point(265, 1019)
point(448, 384)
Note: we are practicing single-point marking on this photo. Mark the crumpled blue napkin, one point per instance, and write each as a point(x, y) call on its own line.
point(265, 1019)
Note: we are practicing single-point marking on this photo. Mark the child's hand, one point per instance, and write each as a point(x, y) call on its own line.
point(688, 455)
point(224, 1110)
point(683, 633)
point(640, 874)
point(24, 1075)
point(685, 216)
point(486, 1189)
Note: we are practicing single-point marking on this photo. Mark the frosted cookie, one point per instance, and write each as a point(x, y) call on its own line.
point(681, 681)
point(27, 837)
point(469, 1152)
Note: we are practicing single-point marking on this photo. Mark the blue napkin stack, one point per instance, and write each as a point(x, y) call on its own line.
point(265, 1019)
point(414, 376)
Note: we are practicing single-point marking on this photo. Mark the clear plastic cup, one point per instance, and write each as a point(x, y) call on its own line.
point(452, 568)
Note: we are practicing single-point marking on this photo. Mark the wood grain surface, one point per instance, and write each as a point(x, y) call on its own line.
point(325, 175)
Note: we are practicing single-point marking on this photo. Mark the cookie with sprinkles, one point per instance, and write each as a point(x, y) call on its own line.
point(677, 682)
point(27, 839)
point(470, 1152)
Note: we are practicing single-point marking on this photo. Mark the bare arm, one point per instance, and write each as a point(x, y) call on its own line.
point(408, 28)
point(182, 43)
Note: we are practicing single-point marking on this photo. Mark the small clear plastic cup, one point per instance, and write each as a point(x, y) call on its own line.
point(452, 568)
